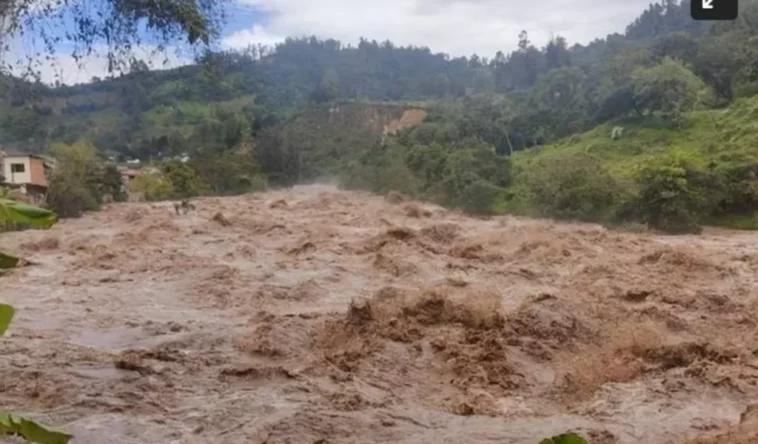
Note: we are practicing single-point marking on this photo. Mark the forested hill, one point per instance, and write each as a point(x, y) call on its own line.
point(271, 111)
point(128, 114)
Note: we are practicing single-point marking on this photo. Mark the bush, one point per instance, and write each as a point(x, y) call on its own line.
point(227, 173)
point(480, 198)
point(152, 187)
point(739, 189)
point(112, 185)
point(70, 198)
point(258, 183)
point(394, 175)
point(184, 179)
point(571, 186)
point(669, 88)
point(668, 199)
point(381, 172)
point(79, 180)
point(463, 167)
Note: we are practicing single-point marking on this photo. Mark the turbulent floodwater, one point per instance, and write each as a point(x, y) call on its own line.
point(314, 315)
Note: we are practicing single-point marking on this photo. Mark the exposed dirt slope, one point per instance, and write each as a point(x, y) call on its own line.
point(314, 315)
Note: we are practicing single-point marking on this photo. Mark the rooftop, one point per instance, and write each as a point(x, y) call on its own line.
point(37, 156)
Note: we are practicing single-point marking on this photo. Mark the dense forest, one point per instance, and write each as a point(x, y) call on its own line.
point(650, 126)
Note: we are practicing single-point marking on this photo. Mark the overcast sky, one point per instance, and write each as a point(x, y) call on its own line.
point(458, 27)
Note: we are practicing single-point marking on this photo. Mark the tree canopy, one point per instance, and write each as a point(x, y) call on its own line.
point(118, 27)
point(312, 108)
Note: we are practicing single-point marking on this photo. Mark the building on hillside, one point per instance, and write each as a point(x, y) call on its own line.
point(127, 175)
point(27, 173)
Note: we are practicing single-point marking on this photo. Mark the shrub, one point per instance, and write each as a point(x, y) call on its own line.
point(571, 186)
point(669, 88)
point(480, 198)
point(739, 193)
point(258, 183)
point(111, 184)
point(152, 187)
point(668, 199)
point(77, 183)
point(69, 197)
point(184, 179)
point(382, 172)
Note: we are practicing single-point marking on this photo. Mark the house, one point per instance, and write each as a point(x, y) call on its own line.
point(127, 175)
point(27, 173)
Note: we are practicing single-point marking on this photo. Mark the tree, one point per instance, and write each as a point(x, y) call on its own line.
point(561, 94)
point(152, 186)
point(480, 198)
point(556, 53)
point(720, 58)
point(116, 24)
point(112, 185)
point(228, 173)
point(679, 45)
point(739, 185)
point(328, 89)
point(465, 167)
point(76, 184)
point(669, 88)
point(571, 186)
point(185, 180)
point(618, 104)
point(668, 199)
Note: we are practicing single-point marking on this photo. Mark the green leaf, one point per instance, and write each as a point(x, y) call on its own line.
point(34, 432)
point(17, 212)
point(7, 261)
point(547, 441)
point(569, 438)
point(6, 426)
point(6, 316)
point(30, 430)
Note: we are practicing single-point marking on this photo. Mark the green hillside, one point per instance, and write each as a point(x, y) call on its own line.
point(725, 136)
point(713, 156)
point(127, 115)
point(652, 125)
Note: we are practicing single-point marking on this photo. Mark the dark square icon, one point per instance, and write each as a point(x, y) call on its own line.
point(714, 9)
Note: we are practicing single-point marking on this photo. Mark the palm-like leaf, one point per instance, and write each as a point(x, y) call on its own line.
point(7, 261)
point(17, 212)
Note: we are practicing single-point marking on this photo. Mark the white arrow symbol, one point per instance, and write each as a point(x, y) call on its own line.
point(707, 4)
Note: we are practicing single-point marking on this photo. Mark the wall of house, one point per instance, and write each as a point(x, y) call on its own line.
point(15, 177)
point(34, 170)
point(37, 167)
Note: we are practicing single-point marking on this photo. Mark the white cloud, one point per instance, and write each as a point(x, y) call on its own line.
point(255, 35)
point(62, 66)
point(458, 27)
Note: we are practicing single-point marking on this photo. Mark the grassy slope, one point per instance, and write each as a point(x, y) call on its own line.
point(727, 136)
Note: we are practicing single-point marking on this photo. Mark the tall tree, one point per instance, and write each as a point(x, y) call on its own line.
point(557, 53)
point(116, 24)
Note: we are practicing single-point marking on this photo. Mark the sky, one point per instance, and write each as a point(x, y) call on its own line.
point(457, 27)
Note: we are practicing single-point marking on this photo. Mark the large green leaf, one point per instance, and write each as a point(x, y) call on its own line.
point(8, 261)
point(31, 431)
point(569, 438)
point(17, 212)
point(6, 316)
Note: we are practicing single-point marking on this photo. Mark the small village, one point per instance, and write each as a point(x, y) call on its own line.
point(26, 177)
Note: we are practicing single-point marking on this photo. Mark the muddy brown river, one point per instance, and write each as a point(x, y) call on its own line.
point(317, 315)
